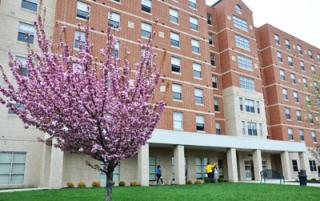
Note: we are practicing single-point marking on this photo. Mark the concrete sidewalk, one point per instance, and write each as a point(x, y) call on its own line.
point(293, 183)
point(21, 190)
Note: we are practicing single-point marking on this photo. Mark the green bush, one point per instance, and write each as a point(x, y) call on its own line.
point(81, 184)
point(96, 184)
point(122, 183)
point(189, 182)
point(70, 184)
point(199, 181)
point(134, 183)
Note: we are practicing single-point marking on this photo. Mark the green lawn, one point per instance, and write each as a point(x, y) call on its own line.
point(206, 192)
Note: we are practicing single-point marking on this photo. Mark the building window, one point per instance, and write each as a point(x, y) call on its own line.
point(194, 24)
point(313, 68)
point(237, 8)
point(209, 18)
point(313, 166)
point(174, 39)
point(210, 38)
point(196, 70)
point(114, 20)
point(301, 135)
point(173, 15)
point(175, 64)
point(287, 44)
point(23, 68)
point(12, 167)
point(146, 30)
point(249, 105)
point(201, 167)
point(146, 5)
point(244, 62)
point(314, 137)
point(218, 128)
point(276, 39)
point(214, 79)
point(242, 42)
point(261, 129)
point(198, 96)
point(247, 83)
point(302, 66)
point(79, 38)
point(152, 168)
point(241, 103)
point(26, 32)
point(290, 60)
point(212, 59)
point(252, 128)
point(287, 113)
point(318, 57)
point(290, 133)
point(282, 75)
point(192, 4)
point(176, 92)
point(285, 94)
point(258, 107)
point(310, 54)
point(308, 100)
point(117, 1)
point(293, 78)
point(195, 46)
point(30, 4)
point(305, 82)
point(310, 118)
point(279, 57)
point(298, 115)
point(83, 10)
point(240, 23)
point(178, 120)
point(299, 49)
point(295, 165)
point(216, 105)
point(199, 123)
point(296, 97)
point(244, 128)
point(116, 50)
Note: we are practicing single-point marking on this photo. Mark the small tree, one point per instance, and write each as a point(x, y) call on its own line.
point(89, 107)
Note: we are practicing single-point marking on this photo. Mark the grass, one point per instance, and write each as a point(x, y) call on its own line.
point(206, 192)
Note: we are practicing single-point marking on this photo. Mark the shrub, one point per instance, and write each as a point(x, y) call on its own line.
point(221, 179)
point(122, 183)
point(70, 184)
point(96, 184)
point(81, 184)
point(199, 181)
point(134, 183)
point(189, 182)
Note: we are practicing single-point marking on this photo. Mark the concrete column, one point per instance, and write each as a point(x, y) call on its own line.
point(56, 167)
point(285, 163)
point(143, 165)
point(179, 166)
point(257, 164)
point(232, 165)
point(304, 162)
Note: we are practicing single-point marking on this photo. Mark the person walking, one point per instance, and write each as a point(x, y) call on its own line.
point(216, 174)
point(208, 169)
point(159, 175)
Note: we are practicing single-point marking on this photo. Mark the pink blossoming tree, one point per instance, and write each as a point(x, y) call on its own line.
point(89, 107)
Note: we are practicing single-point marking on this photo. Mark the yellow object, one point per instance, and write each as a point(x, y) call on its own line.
point(209, 168)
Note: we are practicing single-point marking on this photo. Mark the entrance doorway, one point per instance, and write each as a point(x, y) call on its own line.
point(248, 170)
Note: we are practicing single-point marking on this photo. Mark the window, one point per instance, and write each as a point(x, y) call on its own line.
point(249, 105)
point(117, 1)
point(241, 103)
point(276, 39)
point(237, 8)
point(261, 129)
point(209, 18)
point(194, 25)
point(146, 5)
point(310, 118)
point(192, 4)
point(301, 135)
point(247, 83)
point(252, 128)
point(240, 23)
point(287, 43)
point(30, 4)
point(24, 68)
point(12, 167)
point(285, 94)
point(175, 64)
point(295, 165)
point(258, 107)
point(310, 54)
point(282, 75)
point(242, 42)
point(313, 166)
point(287, 113)
point(314, 137)
point(305, 82)
point(299, 49)
point(201, 167)
point(218, 128)
point(279, 57)
point(302, 66)
point(244, 128)
point(298, 115)
point(296, 97)
point(293, 78)
point(210, 38)
point(308, 100)
point(198, 96)
point(313, 68)
point(214, 79)
point(146, 30)
point(83, 10)
point(79, 38)
point(176, 92)
point(114, 20)
point(290, 60)
point(26, 32)
point(195, 46)
point(116, 50)
point(196, 70)
point(174, 39)
point(212, 59)
point(177, 120)
point(152, 168)
point(216, 105)
point(318, 57)
point(200, 123)
point(173, 15)
point(244, 62)
point(290, 133)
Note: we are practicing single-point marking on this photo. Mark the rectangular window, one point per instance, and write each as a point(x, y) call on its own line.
point(23, 68)
point(261, 129)
point(196, 70)
point(241, 103)
point(287, 44)
point(209, 20)
point(258, 107)
point(173, 15)
point(302, 66)
point(310, 54)
point(290, 60)
point(249, 105)
point(305, 82)
point(210, 38)
point(282, 75)
point(298, 115)
point(26, 32)
point(285, 94)
point(247, 83)
point(146, 30)
point(313, 68)
point(279, 57)
point(195, 46)
point(240, 23)
point(293, 78)
point(214, 79)
point(12, 167)
point(114, 20)
point(296, 97)
point(301, 135)
point(200, 123)
point(295, 165)
point(198, 96)
point(175, 64)
point(146, 5)
point(244, 128)
point(218, 128)
point(299, 49)
point(242, 42)
point(83, 10)
point(201, 167)
point(314, 137)
point(116, 50)
point(216, 104)
point(192, 4)
point(310, 118)
point(30, 4)
point(79, 38)
point(287, 113)
point(176, 92)
point(174, 39)
point(313, 166)
point(252, 128)
point(290, 133)
point(152, 168)
point(277, 39)
point(178, 120)
point(194, 24)
point(245, 62)
point(318, 57)
point(212, 59)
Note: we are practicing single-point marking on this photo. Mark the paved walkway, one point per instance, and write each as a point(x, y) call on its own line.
point(286, 183)
point(21, 190)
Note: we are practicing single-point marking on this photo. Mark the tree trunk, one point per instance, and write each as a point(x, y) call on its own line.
point(109, 185)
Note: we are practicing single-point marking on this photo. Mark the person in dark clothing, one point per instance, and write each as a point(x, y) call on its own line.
point(159, 175)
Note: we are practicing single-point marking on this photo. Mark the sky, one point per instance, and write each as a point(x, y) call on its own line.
point(299, 18)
